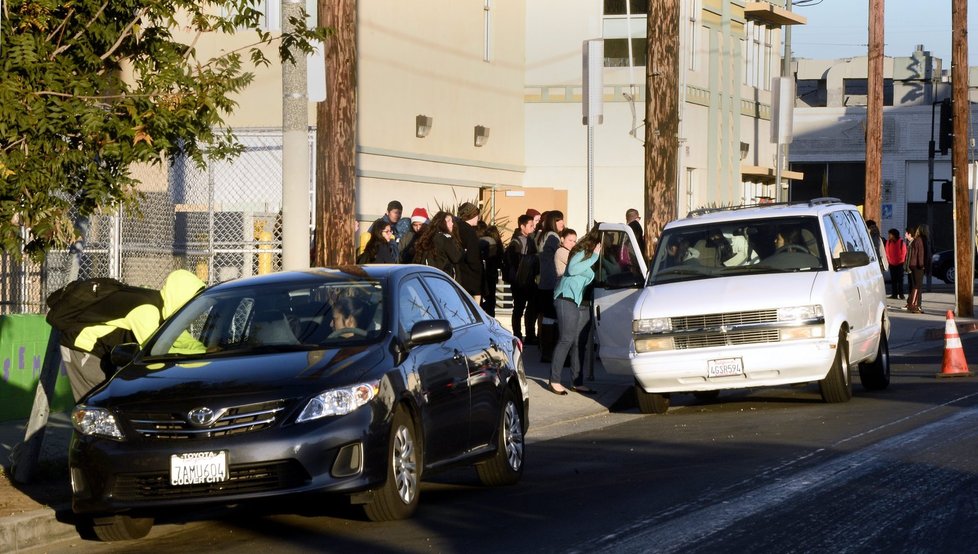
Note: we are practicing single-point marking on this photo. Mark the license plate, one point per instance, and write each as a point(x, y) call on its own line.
point(725, 367)
point(193, 468)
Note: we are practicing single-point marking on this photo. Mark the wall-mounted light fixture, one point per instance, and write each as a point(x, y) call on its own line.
point(422, 125)
point(481, 135)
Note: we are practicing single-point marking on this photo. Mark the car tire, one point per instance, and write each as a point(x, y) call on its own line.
point(651, 402)
point(875, 375)
point(115, 527)
point(506, 465)
point(837, 385)
point(397, 498)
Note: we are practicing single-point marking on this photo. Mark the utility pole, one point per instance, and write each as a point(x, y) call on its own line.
point(295, 151)
point(964, 249)
point(874, 113)
point(661, 118)
point(336, 140)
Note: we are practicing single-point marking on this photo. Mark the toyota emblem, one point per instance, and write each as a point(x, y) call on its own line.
point(201, 417)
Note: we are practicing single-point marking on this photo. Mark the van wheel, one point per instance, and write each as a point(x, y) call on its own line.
point(116, 527)
point(651, 402)
point(837, 386)
point(397, 498)
point(875, 375)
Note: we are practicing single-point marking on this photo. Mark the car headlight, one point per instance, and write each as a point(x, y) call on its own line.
point(935, 258)
point(93, 422)
point(650, 326)
point(340, 401)
point(800, 313)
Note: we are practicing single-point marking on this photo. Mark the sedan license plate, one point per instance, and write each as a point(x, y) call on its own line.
point(725, 367)
point(193, 468)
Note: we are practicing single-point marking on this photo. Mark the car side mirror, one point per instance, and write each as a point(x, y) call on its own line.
point(429, 332)
point(851, 259)
point(123, 354)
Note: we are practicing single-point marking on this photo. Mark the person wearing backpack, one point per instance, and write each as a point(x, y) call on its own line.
point(95, 315)
point(522, 268)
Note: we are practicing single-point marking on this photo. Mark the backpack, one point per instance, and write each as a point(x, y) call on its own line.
point(71, 306)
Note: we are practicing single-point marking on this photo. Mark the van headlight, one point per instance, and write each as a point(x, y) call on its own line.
point(341, 401)
point(651, 326)
point(809, 322)
point(800, 314)
point(95, 422)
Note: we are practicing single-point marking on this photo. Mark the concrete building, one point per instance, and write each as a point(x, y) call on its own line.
point(829, 145)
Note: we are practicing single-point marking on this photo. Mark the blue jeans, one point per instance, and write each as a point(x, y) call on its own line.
point(571, 319)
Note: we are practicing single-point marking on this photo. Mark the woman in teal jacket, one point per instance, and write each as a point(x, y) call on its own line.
point(572, 310)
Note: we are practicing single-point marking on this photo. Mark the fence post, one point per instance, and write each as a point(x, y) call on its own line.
point(23, 458)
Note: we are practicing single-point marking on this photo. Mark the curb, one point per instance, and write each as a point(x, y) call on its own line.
point(937, 333)
point(33, 529)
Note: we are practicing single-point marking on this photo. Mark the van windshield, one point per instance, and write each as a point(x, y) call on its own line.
point(769, 245)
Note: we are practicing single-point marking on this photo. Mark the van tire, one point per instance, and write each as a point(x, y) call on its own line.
point(837, 385)
point(651, 402)
point(875, 375)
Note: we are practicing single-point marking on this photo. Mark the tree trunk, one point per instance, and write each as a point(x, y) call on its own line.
point(336, 141)
point(661, 118)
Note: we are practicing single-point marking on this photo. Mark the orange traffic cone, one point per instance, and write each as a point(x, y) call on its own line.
point(954, 363)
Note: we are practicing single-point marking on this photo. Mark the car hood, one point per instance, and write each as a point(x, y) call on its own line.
point(727, 294)
point(255, 376)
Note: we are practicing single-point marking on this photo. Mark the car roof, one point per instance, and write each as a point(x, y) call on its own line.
point(814, 207)
point(345, 273)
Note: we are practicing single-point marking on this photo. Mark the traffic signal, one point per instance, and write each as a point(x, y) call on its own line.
point(947, 193)
point(945, 138)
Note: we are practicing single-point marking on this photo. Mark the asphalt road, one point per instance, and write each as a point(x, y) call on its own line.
point(772, 470)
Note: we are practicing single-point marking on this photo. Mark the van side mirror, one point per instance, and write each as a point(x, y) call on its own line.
point(851, 259)
point(625, 280)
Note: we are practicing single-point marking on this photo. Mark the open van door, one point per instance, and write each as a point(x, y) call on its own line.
point(619, 278)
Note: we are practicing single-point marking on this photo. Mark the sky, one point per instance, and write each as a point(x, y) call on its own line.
point(840, 28)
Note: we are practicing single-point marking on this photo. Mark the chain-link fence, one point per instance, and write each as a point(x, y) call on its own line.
point(221, 222)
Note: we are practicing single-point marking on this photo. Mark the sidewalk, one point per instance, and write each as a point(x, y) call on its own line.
point(42, 515)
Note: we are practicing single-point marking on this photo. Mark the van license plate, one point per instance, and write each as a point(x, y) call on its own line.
point(725, 367)
point(193, 468)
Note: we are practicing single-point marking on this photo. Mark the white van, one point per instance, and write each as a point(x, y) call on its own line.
point(747, 296)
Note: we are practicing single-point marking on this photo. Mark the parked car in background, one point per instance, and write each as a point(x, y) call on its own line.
point(357, 380)
point(942, 266)
point(746, 297)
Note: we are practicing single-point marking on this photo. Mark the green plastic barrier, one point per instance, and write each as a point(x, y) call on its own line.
point(23, 341)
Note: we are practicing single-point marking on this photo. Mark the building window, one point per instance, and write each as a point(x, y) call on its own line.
point(692, 35)
point(624, 20)
point(271, 11)
point(757, 52)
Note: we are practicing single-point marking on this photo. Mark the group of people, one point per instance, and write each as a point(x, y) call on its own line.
point(460, 244)
point(548, 269)
point(908, 255)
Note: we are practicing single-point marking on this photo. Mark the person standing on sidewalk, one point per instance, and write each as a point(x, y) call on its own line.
point(380, 247)
point(470, 268)
point(573, 311)
point(896, 255)
point(521, 269)
point(440, 246)
point(916, 263)
point(547, 244)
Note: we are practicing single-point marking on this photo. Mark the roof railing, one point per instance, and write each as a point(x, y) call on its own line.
point(813, 202)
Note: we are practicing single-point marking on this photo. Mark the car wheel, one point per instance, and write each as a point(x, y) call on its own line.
point(397, 498)
point(706, 395)
point(875, 375)
point(651, 402)
point(115, 527)
point(506, 465)
point(837, 386)
point(949, 275)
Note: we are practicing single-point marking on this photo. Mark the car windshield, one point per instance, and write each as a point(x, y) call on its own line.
point(275, 317)
point(742, 247)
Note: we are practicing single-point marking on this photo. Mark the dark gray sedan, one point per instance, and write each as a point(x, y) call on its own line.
point(357, 380)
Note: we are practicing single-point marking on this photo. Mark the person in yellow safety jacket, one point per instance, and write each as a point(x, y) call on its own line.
point(131, 315)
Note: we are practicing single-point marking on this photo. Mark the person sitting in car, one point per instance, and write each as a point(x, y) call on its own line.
point(348, 318)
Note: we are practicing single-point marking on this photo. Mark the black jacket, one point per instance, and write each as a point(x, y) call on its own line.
point(470, 268)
